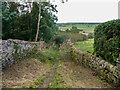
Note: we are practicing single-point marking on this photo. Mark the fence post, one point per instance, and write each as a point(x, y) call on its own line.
point(118, 63)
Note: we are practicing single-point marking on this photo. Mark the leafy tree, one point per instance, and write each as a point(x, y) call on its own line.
point(48, 22)
point(39, 17)
point(13, 7)
point(22, 27)
point(25, 25)
point(7, 21)
point(21, 24)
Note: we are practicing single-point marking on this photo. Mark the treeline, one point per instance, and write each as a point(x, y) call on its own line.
point(65, 24)
point(19, 21)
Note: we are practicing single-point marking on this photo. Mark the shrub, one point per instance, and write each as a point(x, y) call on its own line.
point(74, 29)
point(67, 30)
point(60, 39)
point(73, 36)
point(107, 40)
point(77, 37)
point(90, 35)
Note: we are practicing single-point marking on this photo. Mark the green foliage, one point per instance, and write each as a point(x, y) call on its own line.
point(60, 39)
point(24, 86)
point(16, 47)
point(73, 36)
point(107, 40)
point(79, 26)
point(8, 19)
point(73, 30)
point(90, 35)
point(32, 86)
point(47, 54)
point(67, 30)
point(47, 25)
point(86, 45)
point(21, 30)
point(57, 81)
point(40, 81)
point(24, 25)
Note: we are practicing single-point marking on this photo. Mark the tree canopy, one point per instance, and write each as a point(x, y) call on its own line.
point(20, 21)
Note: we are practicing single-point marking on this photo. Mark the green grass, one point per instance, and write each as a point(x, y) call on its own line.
point(47, 54)
point(37, 83)
point(58, 81)
point(40, 81)
point(85, 27)
point(86, 45)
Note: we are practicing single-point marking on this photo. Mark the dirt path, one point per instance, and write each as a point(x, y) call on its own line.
point(49, 77)
point(64, 73)
point(71, 75)
point(78, 76)
point(24, 73)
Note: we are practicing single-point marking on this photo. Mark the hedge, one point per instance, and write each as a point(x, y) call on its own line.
point(107, 40)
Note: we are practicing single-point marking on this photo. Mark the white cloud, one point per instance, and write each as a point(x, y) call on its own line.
point(83, 11)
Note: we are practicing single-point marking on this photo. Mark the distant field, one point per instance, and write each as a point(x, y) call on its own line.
point(86, 27)
point(86, 45)
point(73, 36)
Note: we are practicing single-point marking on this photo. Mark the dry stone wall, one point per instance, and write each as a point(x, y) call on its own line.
point(103, 69)
point(13, 50)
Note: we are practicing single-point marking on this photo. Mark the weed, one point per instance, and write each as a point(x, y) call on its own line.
point(36, 82)
point(41, 80)
point(24, 86)
point(32, 86)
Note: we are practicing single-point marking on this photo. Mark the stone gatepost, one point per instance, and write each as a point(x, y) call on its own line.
point(118, 63)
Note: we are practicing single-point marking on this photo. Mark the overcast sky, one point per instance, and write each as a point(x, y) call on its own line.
point(87, 10)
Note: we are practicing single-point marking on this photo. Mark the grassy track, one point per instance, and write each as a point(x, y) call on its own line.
point(85, 45)
point(63, 73)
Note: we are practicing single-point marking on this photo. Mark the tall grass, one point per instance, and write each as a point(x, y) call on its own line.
point(86, 45)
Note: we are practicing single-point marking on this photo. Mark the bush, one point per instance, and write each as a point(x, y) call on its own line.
point(107, 40)
point(74, 29)
point(90, 35)
point(73, 36)
point(60, 39)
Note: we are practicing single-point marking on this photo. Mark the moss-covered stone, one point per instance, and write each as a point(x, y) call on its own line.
point(104, 69)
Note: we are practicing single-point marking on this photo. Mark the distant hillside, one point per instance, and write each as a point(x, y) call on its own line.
point(60, 24)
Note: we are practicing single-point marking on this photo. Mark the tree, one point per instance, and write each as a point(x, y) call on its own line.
point(38, 21)
point(48, 22)
point(22, 19)
point(8, 18)
point(24, 27)
point(39, 18)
